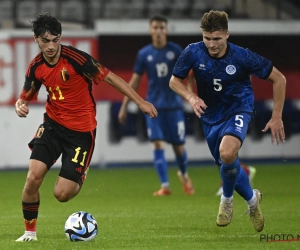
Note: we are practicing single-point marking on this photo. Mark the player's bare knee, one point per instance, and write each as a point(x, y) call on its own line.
point(227, 157)
point(62, 196)
point(32, 184)
point(33, 178)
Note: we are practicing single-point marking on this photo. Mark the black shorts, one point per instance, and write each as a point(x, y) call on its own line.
point(53, 140)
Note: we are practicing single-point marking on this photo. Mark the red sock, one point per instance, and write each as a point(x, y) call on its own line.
point(30, 213)
point(30, 225)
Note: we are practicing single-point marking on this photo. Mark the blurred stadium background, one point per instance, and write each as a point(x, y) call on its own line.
point(113, 31)
point(15, 13)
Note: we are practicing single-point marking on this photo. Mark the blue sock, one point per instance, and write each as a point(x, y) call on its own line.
point(182, 163)
point(161, 165)
point(229, 174)
point(243, 187)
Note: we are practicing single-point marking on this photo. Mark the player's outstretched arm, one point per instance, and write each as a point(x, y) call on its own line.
point(21, 107)
point(134, 83)
point(275, 124)
point(198, 105)
point(119, 84)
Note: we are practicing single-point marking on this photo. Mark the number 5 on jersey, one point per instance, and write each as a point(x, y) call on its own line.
point(217, 85)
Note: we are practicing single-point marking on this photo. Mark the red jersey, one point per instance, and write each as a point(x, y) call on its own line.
point(69, 83)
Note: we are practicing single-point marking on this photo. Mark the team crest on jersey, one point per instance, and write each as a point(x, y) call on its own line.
point(149, 58)
point(230, 69)
point(170, 55)
point(40, 132)
point(64, 74)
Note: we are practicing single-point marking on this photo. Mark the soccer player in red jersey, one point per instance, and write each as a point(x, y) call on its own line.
point(69, 126)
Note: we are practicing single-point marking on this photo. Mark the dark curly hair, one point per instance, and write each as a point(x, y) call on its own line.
point(46, 23)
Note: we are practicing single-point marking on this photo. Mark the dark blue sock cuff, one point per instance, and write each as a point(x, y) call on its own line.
point(233, 168)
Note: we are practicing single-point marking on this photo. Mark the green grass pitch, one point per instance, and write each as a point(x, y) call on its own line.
point(129, 217)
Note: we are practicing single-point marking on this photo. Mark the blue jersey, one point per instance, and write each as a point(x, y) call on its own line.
point(223, 83)
point(159, 64)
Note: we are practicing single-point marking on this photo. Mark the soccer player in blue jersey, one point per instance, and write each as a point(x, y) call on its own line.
point(250, 170)
point(225, 105)
point(157, 60)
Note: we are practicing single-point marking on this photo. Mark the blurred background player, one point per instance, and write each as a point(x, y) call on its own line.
point(225, 105)
point(157, 60)
point(69, 127)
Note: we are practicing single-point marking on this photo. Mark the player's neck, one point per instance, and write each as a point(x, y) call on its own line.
point(159, 44)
